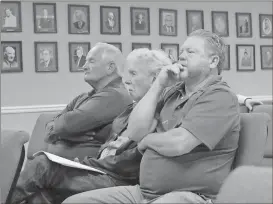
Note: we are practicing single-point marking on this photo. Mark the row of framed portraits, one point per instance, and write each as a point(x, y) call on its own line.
point(46, 55)
point(45, 21)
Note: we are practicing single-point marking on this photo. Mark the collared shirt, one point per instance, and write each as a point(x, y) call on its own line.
point(212, 115)
point(89, 113)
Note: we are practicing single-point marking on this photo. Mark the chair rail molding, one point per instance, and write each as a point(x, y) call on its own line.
point(32, 109)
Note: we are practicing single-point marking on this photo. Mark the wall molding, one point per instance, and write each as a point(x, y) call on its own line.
point(31, 109)
point(58, 107)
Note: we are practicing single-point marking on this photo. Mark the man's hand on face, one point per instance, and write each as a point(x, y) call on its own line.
point(171, 74)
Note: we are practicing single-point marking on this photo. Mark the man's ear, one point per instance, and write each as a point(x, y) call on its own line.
point(214, 60)
point(111, 67)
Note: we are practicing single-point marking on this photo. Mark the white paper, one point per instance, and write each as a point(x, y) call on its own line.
point(67, 162)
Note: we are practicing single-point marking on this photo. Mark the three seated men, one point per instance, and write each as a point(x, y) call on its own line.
point(177, 136)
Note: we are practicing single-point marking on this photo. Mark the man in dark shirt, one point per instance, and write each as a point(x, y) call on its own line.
point(80, 123)
point(196, 136)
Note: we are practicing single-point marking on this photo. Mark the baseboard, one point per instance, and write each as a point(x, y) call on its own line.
point(58, 107)
point(31, 109)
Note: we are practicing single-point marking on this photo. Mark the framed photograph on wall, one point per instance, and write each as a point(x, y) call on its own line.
point(194, 20)
point(141, 45)
point(77, 55)
point(226, 65)
point(265, 25)
point(245, 57)
point(220, 23)
point(140, 21)
point(167, 22)
point(243, 25)
point(110, 20)
point(116, 44)
point(46, 56)
point(172, 50)
point(266, 56)
point(11, 16)
point(78, 19)
point(44, 15)
point(12, 56)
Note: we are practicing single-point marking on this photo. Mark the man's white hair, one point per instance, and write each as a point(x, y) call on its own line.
point(155, 59)
point(111, 53)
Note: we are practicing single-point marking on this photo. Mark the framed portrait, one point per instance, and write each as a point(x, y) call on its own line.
point(110, 20)
point(140, 21)
point(167, 22)
point(245, 57)
point(243, 25)
point(226, 65)
point(11, 16)
point(265, 25)
point(46, 56)
point(141, 45)
point(172, 50)
point(44, 15)
point(77, 55)
point(116, 44)
point(78, 19)
point(266, 56)
point(219, 21)
point(12, 56)
point(194, 20)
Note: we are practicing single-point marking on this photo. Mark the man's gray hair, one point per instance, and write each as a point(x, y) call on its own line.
point(155, 59)
point(215, 42)
point(111, 53)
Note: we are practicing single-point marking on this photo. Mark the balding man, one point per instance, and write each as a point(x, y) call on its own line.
point(9, 58)
point(80, 123)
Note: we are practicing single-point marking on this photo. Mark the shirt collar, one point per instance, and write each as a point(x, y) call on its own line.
point(114, 83)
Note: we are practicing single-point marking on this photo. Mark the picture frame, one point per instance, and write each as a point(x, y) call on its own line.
point(78, 19)
point(77, 55)
point(172, 50)
point(11, 16)
point(140, 21)
point(116, 44)
point(219, 22)
point(266, 25)
point(243, 25)
point(12, 56)
point(194, 20)
point(110, 20)
point(141, 45)
point(226, 64)
point(167, 22)
point(44, 15)
point(46, 56)
point(266, 52)
point(245, 57)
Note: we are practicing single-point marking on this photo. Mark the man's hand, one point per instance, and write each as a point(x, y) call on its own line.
point(49, 137)
point(77, 160)
point(171, 74)
point(249, 103)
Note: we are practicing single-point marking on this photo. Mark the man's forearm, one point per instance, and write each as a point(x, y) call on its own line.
point(142, 116)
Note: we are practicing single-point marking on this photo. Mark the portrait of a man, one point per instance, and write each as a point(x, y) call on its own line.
point(9, 60)
point(245, 57)
point(244, 24)
point(45, 18)
point(172, 50)
point(220, 23)
point(167, 22)
point(46, 56)
point(266, 57)
point(12, 56)
point(77, 55)
point(110, 20)
point(140, 21)
point(266, 26)
point(11, 16)
point(195, 20)
point(78, 22)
